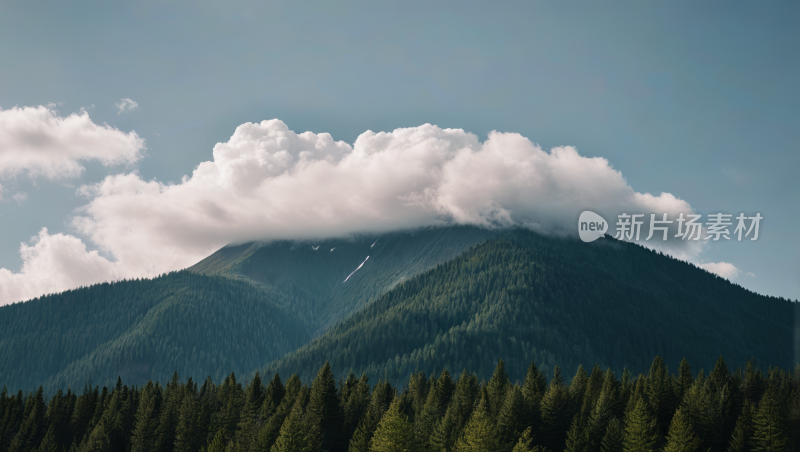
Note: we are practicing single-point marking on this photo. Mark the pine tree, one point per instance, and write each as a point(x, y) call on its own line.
point(626, 390)
point(362, 437)
point(601, 416)
point(273, 395)
point(382, 397)
point(535, 383)
point(577, 440)
point(577, 387)
point(445, 389)
point(418, 389)
point(12, 417)
point(512, 420)
point(354, 406)
point(681, 438)
point(231, 396)
point(637, 393)
point(659, 395)
point(187, 432)
point(128, 414)
point(218, 443)
point(613, 440)
point(314, 439)
point(770, 432)
point(247, 427)
point(112, 418)
point(556, 413)
point(684, 381)
point(144, 433)
point(293, 436)
point(640, 430)
point(432, 412)
point(753, 384)
point(481, 433)
point(524, 444)
point(58, 416)
point(593, 389)
point(719, 376)
point(449, 429)
point(97, 441)
point(269, 433)
point(323, 408)
point(498, 385)
point(49, 443)
point(31, 430)
point(742, 434)
point(696, 406)
point(395, 433)
point(533, 390)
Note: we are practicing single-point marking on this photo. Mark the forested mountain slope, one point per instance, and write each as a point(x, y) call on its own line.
point(523, 297)
point(311, 273)
point(144, 329)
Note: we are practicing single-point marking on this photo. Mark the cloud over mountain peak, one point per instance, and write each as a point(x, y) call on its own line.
point(267, 181)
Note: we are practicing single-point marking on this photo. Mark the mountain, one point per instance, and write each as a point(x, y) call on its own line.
point(313, 272)
point(144, 329)
point(446, 297)
point(236, 310)
point(527, 298)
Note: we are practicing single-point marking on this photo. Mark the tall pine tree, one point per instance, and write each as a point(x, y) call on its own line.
point(681, 438)
point(395, 433)
point(640, 429)
point(769, 424)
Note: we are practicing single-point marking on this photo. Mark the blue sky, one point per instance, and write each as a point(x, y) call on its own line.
point(696, 99)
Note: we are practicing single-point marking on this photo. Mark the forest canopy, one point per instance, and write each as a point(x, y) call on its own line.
point(596, 410)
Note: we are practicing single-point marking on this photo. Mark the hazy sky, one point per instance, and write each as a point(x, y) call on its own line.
point(694, 103)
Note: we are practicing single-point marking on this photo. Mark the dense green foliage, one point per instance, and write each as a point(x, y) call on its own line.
point(517, 296)
point(144, 329)
point(255, 303)
point(595, 412)
point(311, 274)
point(523, 297)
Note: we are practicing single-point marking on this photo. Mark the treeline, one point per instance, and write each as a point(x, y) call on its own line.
point(596, 411)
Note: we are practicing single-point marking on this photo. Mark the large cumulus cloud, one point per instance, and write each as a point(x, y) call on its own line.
point(270, 182)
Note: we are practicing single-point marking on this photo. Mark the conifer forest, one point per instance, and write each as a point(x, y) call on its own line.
point(596, 410)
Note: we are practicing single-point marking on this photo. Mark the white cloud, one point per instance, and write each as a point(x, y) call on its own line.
point(19, 197)
point(37, 141)
point(750, 274)
point(53, 263)
point(723, 269)
point(269, 182)
point(125, 105)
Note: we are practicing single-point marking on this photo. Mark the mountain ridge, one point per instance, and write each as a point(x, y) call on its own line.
point(522, 297)
point(426, 299)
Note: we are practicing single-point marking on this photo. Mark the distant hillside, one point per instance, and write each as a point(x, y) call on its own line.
point(144, 329)
point(312, 273)
point(235, 311)
point(523, 297)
